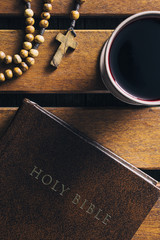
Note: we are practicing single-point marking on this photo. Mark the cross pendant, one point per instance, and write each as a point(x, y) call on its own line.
point(67, 41)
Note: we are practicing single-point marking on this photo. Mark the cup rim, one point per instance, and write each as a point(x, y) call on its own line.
point(107, 53)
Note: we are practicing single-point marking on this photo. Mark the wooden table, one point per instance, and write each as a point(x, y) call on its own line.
point(131, 132)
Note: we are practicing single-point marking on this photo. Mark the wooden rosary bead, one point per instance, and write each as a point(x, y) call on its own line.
point(24, 53)
point(45, 15)
point(39, 39)
point(27, 45)
point(74, 15)
point(17, 72)
point(28, 12)
point(30, 29)
point(30, 61)
point(33, 53)
point(47, 7)
point(8, 59)
point(2, 77)
point(30, 21)
point(29, 37)
point(9, 74)
point(2, 56)
point(24, 67)
point(17, 59)
point(44, 23)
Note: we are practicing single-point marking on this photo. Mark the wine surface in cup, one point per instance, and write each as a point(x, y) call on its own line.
point(134, 58)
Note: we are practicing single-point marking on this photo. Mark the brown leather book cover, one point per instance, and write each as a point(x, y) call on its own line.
point(57, 184)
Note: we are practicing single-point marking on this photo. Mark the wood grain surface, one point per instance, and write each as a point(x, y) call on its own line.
point(133, 134)
point(78, 71)
point(150, 228)
point(89, 8)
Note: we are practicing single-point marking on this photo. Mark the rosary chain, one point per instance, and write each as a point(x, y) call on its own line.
point(75, 16)
point(28, 53)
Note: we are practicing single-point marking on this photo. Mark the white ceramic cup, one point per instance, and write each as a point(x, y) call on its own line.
point(109, 81)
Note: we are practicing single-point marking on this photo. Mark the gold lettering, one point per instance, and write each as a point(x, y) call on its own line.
point(76, 199)
point(106, 219)
point(64, 190)
point(91, 208)
point(36, 172)
point(60, 188)
point(53, 188)
point(47, 182)
point(96, 216)
point(83, 204)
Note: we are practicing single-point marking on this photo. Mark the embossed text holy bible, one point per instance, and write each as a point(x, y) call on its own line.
point(57, 184)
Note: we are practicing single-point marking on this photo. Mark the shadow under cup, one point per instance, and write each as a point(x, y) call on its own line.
point(130, 60)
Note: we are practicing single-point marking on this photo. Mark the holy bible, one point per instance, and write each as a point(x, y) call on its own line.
point(57, 184)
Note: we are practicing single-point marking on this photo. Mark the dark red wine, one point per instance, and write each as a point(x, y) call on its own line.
point(135, 58)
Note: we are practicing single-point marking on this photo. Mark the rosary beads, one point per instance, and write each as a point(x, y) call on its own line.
point(29, 51)
point(67, 41)
point(26, 57)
